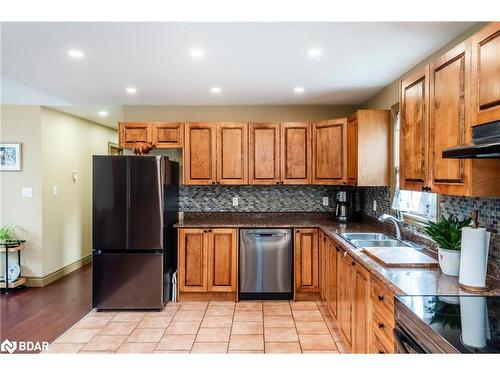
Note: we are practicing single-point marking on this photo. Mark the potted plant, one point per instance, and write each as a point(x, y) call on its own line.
point(447, 233)
point(8, 233)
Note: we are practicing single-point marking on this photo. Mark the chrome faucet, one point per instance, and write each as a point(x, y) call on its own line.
point(396, 221)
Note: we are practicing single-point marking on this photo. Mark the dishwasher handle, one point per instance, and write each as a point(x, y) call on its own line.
point(266, 234)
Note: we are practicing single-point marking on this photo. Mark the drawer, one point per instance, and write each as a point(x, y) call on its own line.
point(382, 328)
point(377, 346)
point(382, 298)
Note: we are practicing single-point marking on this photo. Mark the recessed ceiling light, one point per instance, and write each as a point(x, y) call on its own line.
point(75, 53)
point(131, 90)
point(215, 90)
point(314, 52)
point(197, 53)
point(298, 90)
point(103, 113)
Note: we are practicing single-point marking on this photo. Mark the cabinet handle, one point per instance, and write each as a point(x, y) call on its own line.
point(218, 182)
point(205, 231)
point(345, 254)
point(337, 249)
point(381, 352)
point(344, 183)
point(353, 263)
point(380, 298)
point(381, 325)
point(213, 182)
point(297, 230)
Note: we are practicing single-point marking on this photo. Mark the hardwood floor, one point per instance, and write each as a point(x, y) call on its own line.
point(43, 314)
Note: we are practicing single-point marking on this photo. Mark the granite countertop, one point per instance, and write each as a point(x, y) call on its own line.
point(402, 281)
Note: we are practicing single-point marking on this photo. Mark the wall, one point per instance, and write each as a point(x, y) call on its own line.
point(22, 124)
point(389, 95)
point(235, 113)
point(68, 144)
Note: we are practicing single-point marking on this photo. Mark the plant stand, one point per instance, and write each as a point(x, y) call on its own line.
point(7, 287)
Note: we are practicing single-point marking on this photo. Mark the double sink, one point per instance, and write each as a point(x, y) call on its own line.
point(361, 240)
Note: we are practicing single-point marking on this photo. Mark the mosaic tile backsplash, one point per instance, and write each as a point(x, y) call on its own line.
point(280, 198)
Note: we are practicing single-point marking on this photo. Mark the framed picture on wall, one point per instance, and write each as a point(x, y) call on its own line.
point(10, 157)
point(114, 149)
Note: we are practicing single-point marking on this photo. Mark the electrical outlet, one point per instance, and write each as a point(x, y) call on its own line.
point(326, 201)
point(235, 201)
point(374, 205)
point(54, 190)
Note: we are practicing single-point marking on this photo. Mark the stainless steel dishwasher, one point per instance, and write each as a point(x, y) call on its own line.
point(266, 264)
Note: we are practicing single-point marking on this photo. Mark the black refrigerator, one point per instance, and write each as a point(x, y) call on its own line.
point(135, 203)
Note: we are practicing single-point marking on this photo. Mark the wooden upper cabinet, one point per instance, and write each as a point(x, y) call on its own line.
point(352, 150)
point(167, 134)
point(449, 119)
point(131, 133)
point(192, 252)
point(199, 154)
point(306, 260)
point(345, 295)
point(295, 153)
point(329, 152)
point(414, 115)
point(264, 153)
point(362, 313)
point(222, 262)
point(485, 85)
point(232, 153)
point(332, 278)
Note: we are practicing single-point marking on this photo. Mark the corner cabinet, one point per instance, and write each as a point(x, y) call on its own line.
point(369, 130)
point(329, 152)
point(485, 94)
point(306, 261)
point(207, 260)
point(199, 154)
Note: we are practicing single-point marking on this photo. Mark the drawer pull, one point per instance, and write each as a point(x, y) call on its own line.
point(381, 325)
point(380, 298)
point(381, 352)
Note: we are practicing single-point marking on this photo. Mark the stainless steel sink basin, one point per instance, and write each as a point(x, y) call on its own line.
point(377, 243)
point(366, 236)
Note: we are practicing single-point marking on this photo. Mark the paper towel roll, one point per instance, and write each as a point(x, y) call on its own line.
point(474, 257)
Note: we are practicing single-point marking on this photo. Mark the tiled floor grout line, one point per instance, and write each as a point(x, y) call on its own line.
point(296, 330)
point(231, 329)
point(168, 325)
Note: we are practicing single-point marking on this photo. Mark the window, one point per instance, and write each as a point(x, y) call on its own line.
point(416, 206)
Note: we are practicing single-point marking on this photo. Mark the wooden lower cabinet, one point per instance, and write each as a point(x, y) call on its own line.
point(323, 269)
point(207, 260)
point(331, 299)
point(306, 260)
point(345, 295)
point(382, 318)
point(361, 307)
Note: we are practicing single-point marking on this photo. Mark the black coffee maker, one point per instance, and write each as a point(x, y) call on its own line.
point(347, 206)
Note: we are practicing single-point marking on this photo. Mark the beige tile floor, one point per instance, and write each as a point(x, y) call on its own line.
point(207, 327)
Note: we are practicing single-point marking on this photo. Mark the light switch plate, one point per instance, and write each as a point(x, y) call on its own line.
point(27, 192)
point(235, 201)
point(326, 201)
point(54, 190)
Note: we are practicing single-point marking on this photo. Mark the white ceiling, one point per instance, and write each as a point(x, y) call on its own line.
point(253, 63)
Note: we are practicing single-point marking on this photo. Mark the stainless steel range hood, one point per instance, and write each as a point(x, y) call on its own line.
point(485, 144)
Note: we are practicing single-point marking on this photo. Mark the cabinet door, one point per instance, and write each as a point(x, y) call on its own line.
point(352, 151)
point(192, 260)
point(132, 133)
point(361, 317)
point(449, 119)
point(323, 261)
point(332, 278)
point(199, 154)
point(306, 260)
point(232, 154)
point(414, 107)
point(167, 134)
point(295, 153)
point(222, 263)
point(264, 154)
point(329, 152)
point(485, 95)
point(345, 294)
